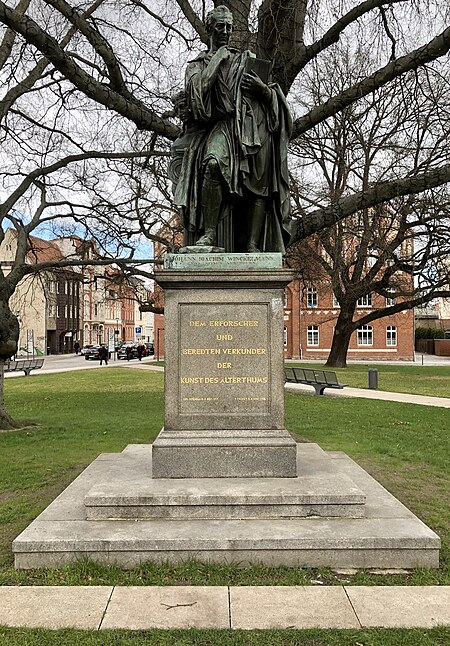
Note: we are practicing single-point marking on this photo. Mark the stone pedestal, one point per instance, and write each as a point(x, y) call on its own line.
point(224, 379)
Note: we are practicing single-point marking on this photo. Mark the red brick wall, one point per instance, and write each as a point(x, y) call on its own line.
point(298, 317)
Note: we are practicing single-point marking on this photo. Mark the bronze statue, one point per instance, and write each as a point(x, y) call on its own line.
point(230, 165)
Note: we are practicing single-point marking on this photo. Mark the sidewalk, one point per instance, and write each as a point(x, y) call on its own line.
point(407, 398)
point(247, 608)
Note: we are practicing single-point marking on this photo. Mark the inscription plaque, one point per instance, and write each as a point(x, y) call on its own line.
point(223, 358)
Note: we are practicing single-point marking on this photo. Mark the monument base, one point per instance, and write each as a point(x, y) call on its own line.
point(224, 454)
point(388, 537)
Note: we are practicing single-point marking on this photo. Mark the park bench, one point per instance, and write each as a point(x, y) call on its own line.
point(319, 379)
point(27, 365)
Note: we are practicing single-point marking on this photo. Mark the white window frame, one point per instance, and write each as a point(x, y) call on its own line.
point(365, 335)
point(312, 335)
point(335, 301)
point(285, 337)
point(390, 300)
point(365, 301)
point(311, 297)
point(391, 336)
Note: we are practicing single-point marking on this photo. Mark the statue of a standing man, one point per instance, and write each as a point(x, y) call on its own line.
point(233, 186)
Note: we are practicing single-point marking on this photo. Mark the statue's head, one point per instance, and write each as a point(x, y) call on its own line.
point(219, 26)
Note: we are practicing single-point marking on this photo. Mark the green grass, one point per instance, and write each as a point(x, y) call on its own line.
point(83, 414)
point(372, 637)
point(414, 379)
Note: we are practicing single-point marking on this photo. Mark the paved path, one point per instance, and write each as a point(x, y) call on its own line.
point(408, 398)
point(248, 608)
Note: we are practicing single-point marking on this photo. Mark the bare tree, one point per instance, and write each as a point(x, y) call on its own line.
point(86, 113)
point(395, 249)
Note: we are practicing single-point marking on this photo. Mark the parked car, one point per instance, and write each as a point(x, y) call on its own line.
point(122, 351)
point(94, 353)
point(86, 347)
point(149, 349)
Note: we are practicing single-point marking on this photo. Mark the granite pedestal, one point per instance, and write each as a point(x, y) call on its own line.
point(224, 378)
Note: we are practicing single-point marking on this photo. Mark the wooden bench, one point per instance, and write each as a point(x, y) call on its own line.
point(27, 365)
point(319, 379)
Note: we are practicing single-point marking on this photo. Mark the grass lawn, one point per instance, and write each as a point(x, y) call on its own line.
point(414, 379)
point(83, 414)
point(373, 637)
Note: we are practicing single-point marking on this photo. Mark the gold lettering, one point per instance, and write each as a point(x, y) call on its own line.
point(233, 323)
point(253, 351)
point(224, 337)
point(214, 351)
point(224, 365)
point(197, 323)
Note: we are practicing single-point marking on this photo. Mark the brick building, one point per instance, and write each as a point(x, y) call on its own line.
point(310, 316)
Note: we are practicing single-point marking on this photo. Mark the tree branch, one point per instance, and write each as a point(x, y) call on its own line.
point(194, 20)
point(31, 178)
point(381, 192)
point(434, 49)
point(332, 35)
point(134, 110)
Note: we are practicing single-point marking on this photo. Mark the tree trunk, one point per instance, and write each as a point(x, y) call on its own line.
point(9, 337)
point(341, 340)
point(6, 422)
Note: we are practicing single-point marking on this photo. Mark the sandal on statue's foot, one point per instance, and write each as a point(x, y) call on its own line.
point(207, 240)
point(252, 248)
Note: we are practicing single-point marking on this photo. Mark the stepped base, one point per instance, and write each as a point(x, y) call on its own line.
point(389, 537)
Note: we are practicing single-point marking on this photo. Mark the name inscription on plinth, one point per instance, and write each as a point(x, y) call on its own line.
point(223, 358)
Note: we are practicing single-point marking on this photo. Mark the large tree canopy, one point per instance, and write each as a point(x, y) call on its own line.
point(86, 118)
point(129, 56)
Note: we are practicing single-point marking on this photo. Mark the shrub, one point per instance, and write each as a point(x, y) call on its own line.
point(429, 333)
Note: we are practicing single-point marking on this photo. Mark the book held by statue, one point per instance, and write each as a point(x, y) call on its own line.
point(259, 66)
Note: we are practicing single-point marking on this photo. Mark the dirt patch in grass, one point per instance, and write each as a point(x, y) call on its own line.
point(7, 495)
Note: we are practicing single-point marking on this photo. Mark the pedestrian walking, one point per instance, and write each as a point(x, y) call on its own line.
point(128, 352)
point(140, 350)
point(104, 355)
point(76, 347)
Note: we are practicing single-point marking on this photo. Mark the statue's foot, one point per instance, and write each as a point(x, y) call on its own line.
point(252, 248)
point(207, 240)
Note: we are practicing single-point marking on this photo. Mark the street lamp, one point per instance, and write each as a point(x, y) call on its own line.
point(116, 338)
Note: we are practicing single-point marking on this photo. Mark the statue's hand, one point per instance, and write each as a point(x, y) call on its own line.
point(251, 84)
point(222, 54)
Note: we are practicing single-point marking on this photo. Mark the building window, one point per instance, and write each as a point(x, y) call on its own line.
point(51, 287)
point(95, 309)
point(311, 297)
point(335, 301)
point(52, 310)
point(58, 287)
point(59, 311)
point(391, 335)
point(285, 337)
point(285, 298)
point(312, 337)
point(365, 301)
point(390, 300)
point(365, 335)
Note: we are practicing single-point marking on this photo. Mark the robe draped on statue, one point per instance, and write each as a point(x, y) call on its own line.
point(248, 139)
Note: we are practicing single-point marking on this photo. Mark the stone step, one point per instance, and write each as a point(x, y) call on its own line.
point(226, 498)
point(389, 537)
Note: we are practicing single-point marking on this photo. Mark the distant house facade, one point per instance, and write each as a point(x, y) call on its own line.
point(56, 307)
